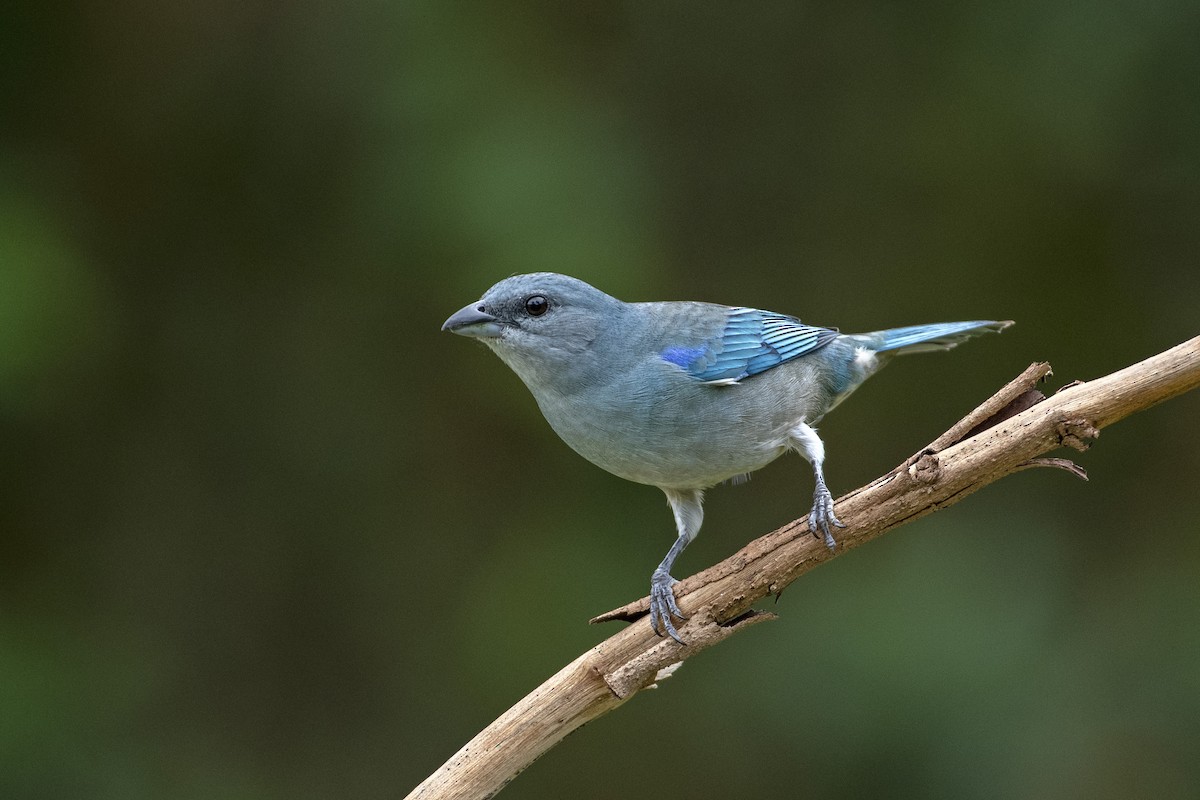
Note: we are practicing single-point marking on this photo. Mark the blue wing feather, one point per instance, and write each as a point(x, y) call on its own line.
point(752, 342)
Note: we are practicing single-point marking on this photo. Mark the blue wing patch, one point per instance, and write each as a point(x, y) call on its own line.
point(753, 341)
point(683, 356)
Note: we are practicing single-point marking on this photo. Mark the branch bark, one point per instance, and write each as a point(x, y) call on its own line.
point(1007, 433)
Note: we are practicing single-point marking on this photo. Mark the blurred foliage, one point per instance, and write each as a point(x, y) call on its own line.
point(266, 532)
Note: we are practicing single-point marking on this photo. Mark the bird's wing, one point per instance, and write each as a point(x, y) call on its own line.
point(752, 342)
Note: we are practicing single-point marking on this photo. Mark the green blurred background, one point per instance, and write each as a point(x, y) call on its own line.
point(265, 532)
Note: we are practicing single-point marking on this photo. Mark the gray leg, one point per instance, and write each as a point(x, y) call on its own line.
point(821, 518)
point(689, 514)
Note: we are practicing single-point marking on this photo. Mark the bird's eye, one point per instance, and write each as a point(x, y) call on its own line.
point(536, 305)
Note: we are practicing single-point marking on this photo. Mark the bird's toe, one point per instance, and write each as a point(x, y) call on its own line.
point(663, 606)
point(821, 520)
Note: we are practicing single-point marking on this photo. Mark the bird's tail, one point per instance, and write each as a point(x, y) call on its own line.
point(928, 338)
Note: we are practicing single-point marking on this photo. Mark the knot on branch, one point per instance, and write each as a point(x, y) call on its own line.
point(1078, 434)
point(926, 468)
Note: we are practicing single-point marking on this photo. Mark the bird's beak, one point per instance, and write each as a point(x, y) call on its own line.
point(472, 320)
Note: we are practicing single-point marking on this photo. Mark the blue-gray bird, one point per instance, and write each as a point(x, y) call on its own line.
point(683, 395)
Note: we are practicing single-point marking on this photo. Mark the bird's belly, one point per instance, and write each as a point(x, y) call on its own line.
point(672, 445)
point(695, 467)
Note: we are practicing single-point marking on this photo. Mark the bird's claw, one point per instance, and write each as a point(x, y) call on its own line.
point(663, 605)
point(822, 517)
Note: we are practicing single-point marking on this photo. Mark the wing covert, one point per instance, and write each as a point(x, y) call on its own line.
point(752, 341)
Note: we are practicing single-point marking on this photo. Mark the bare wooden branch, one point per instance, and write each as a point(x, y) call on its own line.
point(1009, 432)
point(1019, 394)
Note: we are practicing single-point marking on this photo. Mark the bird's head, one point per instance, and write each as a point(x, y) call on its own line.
point(539, 323)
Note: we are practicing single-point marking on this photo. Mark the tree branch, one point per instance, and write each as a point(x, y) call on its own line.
point(1007, 433)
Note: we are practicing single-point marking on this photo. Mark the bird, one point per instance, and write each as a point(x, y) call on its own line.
point(684, 395)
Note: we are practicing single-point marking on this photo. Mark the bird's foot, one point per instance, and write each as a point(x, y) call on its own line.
point(822, 517)
point(663, 605)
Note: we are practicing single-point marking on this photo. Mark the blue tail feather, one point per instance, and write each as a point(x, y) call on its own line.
point(928, 338)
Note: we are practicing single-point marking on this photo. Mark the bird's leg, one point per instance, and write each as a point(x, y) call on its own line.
point(804, 438)
point(689, 514)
